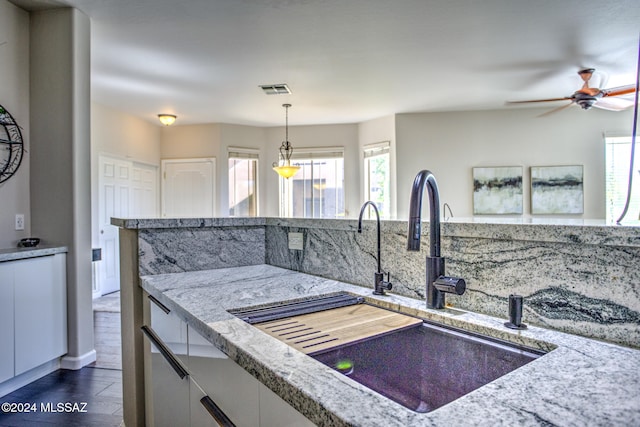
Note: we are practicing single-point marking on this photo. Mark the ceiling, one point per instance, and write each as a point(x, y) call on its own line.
point(348, 61)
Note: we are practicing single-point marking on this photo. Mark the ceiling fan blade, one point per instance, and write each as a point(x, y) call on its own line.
point(555, 110)
point(619, 91)
point(613, 104)
point(540, 100)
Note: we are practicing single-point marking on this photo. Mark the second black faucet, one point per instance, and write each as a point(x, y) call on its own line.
point(380, 284)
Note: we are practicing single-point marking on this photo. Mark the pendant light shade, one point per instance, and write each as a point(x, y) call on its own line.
point(284, 167)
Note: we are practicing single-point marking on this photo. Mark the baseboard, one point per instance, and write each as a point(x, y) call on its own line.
point(78, 362)
point(28, 377)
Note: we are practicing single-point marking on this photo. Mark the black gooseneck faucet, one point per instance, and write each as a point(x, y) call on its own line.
point(379, 283)
point(437, 283)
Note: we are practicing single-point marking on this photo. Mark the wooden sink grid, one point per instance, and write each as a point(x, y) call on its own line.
point(327, 329)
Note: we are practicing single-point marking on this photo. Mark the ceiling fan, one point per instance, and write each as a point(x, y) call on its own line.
point(587, 97)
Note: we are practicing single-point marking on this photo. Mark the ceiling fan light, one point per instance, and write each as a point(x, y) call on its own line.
point(167, 119)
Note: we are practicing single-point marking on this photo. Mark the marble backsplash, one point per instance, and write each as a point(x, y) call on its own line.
point(581, 280)
point(199, 246)
point(574, 278)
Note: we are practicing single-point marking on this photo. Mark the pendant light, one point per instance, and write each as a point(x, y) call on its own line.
point(284, 167)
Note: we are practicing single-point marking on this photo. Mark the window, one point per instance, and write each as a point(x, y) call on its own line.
point(617, 159)
point(377, 173)
point(243, 182)
point(317, 190)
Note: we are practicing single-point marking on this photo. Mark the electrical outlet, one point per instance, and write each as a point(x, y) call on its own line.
point(296, 241)
point(19, 222)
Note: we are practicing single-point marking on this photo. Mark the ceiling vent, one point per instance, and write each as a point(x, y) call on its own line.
point(279, 89)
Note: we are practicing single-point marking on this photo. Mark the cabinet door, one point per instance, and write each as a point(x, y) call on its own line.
point(6, 321)
point(233, 389)
point(40, 293)
point(170, 328)
point(199, 415)
point(167, 392)
point(166, 380)
point(275, 412)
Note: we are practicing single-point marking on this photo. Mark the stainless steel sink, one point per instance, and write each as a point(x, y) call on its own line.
point(427, 366)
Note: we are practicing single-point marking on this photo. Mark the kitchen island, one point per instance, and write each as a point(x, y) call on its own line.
point(579, 382)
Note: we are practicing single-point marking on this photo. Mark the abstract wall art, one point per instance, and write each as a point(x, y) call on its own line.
point(497, 190)
point(557, 190)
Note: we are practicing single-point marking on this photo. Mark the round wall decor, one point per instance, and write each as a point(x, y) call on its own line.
point(11, 146)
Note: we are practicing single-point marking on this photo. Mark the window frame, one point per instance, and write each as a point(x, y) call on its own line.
point(242, 153)
point(614, 210)
point(305, 154)
point(370, 151)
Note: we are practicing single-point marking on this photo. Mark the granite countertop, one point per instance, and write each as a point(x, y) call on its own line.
point(13, 254)
point(579, 382)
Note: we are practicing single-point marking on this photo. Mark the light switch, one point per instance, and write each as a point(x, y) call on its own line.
point(296, 241)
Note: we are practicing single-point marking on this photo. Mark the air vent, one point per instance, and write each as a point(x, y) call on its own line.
point(278, 89)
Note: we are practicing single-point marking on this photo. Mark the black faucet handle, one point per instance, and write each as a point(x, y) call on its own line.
point(450, 285)
point(387, 285)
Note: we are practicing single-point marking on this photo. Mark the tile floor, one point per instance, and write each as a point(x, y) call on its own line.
point(91, 396)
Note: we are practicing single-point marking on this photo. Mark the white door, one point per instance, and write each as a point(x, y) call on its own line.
point(144, 191)
point(113, 202)
point(188, 188)
point(125, 190)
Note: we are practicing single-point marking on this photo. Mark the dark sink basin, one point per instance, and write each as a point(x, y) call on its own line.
point(427, 366)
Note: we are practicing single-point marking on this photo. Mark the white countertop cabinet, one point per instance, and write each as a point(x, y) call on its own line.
point(40, 297)
point(6, 320)
point(171, 400)
point(33, 315)
point(166, 380)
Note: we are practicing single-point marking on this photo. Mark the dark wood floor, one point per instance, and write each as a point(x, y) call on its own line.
point(96, 390)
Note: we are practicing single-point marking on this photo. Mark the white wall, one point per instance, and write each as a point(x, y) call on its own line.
point(61, 159)
point(14, 96)
point(121, 135)
point(190, 141)
point(451, 144)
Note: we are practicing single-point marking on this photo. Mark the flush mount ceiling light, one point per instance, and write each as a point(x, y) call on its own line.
point(276, 89)
point(283, 167)
point(167, 119)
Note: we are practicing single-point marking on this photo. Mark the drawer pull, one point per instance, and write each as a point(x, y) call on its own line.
point(159, 304)
point(215, 411)
point(165, 351)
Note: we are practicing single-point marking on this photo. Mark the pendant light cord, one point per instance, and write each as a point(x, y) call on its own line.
point(633, 141)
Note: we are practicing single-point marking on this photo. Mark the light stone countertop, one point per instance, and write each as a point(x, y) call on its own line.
point(579, 382)
point(14, 254)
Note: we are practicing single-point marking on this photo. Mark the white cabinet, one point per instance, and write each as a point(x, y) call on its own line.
point(212, 386)
point(33, 313)
point(233, 389)
point(244, 399)
point(40, 297)
point(6, 321)
point(167, 390)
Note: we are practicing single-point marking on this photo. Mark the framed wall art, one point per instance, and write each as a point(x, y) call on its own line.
point(497, 190)
point(557, 190)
